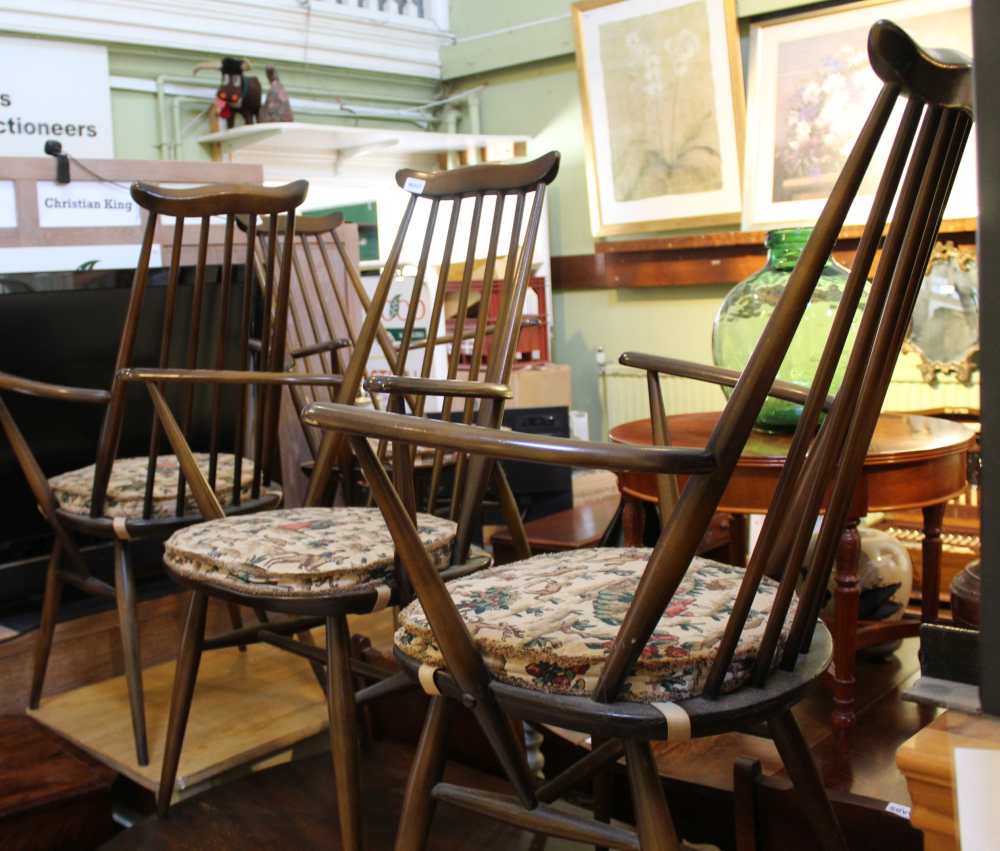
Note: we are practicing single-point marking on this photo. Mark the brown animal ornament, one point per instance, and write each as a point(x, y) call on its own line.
point(238, 93)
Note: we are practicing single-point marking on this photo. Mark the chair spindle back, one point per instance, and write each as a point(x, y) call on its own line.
point(215, 316)
point(498, 196)
point(937, 86)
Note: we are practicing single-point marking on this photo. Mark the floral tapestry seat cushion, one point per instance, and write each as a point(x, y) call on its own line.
point(127, 486)
point(547, 624)
point(296, 552)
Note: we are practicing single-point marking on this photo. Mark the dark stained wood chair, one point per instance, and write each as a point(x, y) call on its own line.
point(318, 563)
point(141, 498)
point(327, 304)
point(638, 645)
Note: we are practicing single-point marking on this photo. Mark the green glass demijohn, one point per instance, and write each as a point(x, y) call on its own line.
point(748, 307)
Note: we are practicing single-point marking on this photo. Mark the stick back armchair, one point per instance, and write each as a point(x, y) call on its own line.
point(128, 499)
point(635, 645)
point(318, 563)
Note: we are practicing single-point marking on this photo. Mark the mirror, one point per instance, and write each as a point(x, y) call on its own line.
point(944, 331)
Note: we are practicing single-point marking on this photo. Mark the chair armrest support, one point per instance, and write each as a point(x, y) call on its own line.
point(318, 348)
point(515, 446)
point(786, 390)
point(153, 375)
point(44, 390)
point(437, 387)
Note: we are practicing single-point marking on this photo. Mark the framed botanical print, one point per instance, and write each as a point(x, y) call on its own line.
point(810, 89)
point(662, 91)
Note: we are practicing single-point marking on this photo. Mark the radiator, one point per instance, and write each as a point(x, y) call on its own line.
point(624, 396)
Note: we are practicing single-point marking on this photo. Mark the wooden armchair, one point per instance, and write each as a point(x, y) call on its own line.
point(316, 563)
point(634, 645)
point(128, 499)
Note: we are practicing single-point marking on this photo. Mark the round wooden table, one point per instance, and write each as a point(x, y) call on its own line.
point(913, 462)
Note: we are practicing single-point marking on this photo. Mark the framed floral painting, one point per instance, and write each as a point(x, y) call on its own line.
point(662, 91)
point(810, 90)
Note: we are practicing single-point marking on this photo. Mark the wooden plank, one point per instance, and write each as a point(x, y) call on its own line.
point(928, 760)
point(247, 707)
point(88, 650)
point(694, 259)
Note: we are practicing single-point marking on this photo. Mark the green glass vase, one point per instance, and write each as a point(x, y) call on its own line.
point(748, 307)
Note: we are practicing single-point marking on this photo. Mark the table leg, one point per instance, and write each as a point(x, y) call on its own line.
point(738, 539)
point(633, 521)
point(930, 571)
point(845, 626)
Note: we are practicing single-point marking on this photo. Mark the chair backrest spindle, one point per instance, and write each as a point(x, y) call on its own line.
point(837, 450)
point(203, 314)
point(454, 188)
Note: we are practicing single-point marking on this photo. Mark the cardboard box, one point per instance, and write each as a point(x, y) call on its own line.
point(544, 386)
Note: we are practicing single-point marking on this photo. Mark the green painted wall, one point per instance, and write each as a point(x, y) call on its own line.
point(541, 98)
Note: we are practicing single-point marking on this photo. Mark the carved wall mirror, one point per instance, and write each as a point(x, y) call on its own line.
point(944, 331)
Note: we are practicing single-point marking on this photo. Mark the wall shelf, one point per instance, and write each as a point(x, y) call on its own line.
point(695, 260)
point(350, 142)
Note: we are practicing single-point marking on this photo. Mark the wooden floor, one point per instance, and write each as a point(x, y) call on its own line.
point(294, 807)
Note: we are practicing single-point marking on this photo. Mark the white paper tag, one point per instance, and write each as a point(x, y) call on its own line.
point(414, 185)
point(900, 810)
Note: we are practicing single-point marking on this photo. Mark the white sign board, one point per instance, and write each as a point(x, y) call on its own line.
point(74, 258)
point(8, 204)
point(54, 90)
point(85, 204)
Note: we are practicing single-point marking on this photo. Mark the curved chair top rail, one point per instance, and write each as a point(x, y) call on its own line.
point(305, 225)
point(220, 199)
point(939, 76)
point(478, 179)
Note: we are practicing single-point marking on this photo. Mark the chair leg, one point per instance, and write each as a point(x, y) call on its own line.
point(344, 749)
point(47, 627)
point(652, 816)
point(236, 619)
point(808, 785)
point(128, 624)
point(427, 770)
point(602, 793)
point(188, 658)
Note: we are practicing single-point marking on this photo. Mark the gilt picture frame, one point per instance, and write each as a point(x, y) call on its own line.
point(810, 88)
point(661, 85)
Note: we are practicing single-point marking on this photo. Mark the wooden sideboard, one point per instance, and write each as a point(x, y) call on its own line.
point(928, 762)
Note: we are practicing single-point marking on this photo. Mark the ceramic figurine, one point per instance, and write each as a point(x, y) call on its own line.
point(277, 106)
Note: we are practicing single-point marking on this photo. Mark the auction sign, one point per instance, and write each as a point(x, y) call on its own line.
point(56, 90)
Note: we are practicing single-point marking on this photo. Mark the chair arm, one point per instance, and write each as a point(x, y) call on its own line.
point(515, 446)
point(437, 387)
point(319, 348)
point(785, 390)
point(152, 375)
point(43, 390)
